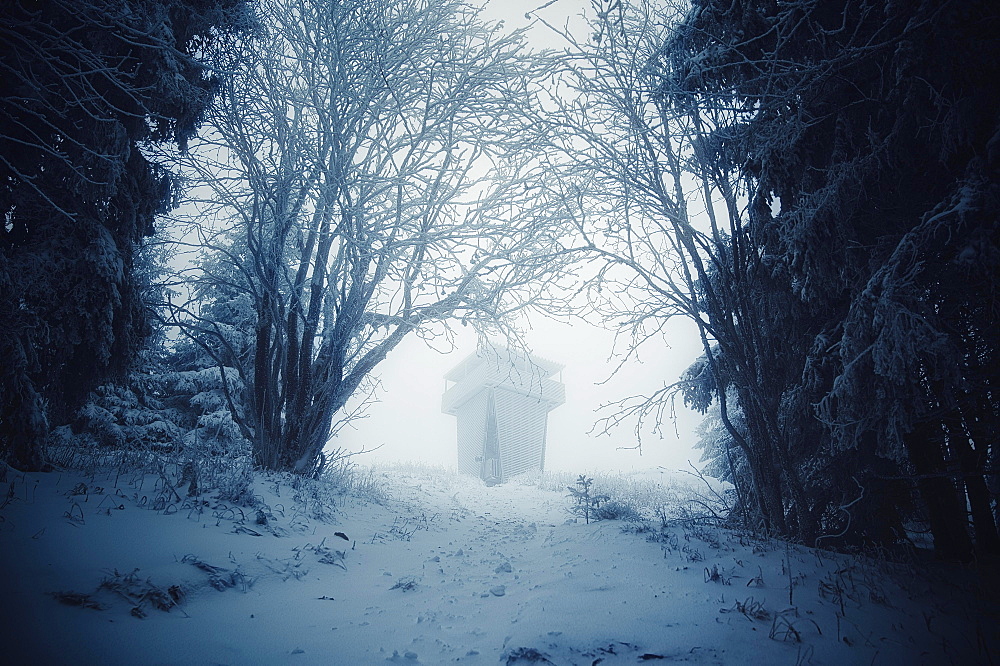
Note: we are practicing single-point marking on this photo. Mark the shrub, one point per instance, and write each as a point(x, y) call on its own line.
point(612, 509)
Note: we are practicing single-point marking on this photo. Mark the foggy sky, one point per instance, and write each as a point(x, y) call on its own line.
point(408, 425)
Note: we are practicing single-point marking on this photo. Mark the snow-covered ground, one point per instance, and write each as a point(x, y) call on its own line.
point(118, 569)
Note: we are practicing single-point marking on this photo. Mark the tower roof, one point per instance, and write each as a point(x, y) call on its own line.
point(496, 356)
point(499, 367)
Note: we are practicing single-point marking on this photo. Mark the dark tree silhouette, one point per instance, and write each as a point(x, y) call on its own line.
point(815, 186)
point(85, 87)
point(867, 137)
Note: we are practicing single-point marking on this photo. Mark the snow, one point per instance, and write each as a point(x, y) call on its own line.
point(442, 570)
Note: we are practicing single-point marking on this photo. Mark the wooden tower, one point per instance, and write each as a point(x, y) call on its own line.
point(502, 400)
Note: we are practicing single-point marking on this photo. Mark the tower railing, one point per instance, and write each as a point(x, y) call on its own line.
point(487, 376)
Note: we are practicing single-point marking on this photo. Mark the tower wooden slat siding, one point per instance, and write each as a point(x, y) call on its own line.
point(502, 399)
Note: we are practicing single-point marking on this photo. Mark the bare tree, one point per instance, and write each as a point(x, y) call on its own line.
point(668, 231)
point(370, 165)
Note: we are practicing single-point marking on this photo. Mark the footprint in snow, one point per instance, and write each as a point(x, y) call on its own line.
point(407, 657)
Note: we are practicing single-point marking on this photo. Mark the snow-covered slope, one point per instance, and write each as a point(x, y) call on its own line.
point(446, 571)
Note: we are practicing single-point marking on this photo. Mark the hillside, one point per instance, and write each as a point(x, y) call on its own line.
point(118, 568)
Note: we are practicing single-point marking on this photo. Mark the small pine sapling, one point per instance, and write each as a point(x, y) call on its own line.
point(587, 503)
point(581, 495)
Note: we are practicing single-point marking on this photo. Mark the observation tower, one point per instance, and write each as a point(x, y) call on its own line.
point(502, 399)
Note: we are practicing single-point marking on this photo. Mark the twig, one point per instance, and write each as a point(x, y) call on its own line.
point(843, 508)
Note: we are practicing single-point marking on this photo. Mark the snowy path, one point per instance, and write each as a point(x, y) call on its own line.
point(448, 572)
point(502, 573)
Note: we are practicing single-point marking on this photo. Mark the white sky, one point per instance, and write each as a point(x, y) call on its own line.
point(408, 423)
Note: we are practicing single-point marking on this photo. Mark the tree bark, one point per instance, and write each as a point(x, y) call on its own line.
point(945, 509)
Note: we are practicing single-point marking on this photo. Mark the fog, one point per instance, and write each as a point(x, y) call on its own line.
point(406, 424)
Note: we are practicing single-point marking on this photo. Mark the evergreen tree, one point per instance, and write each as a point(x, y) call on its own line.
point(867, 137)
point(85, 87)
